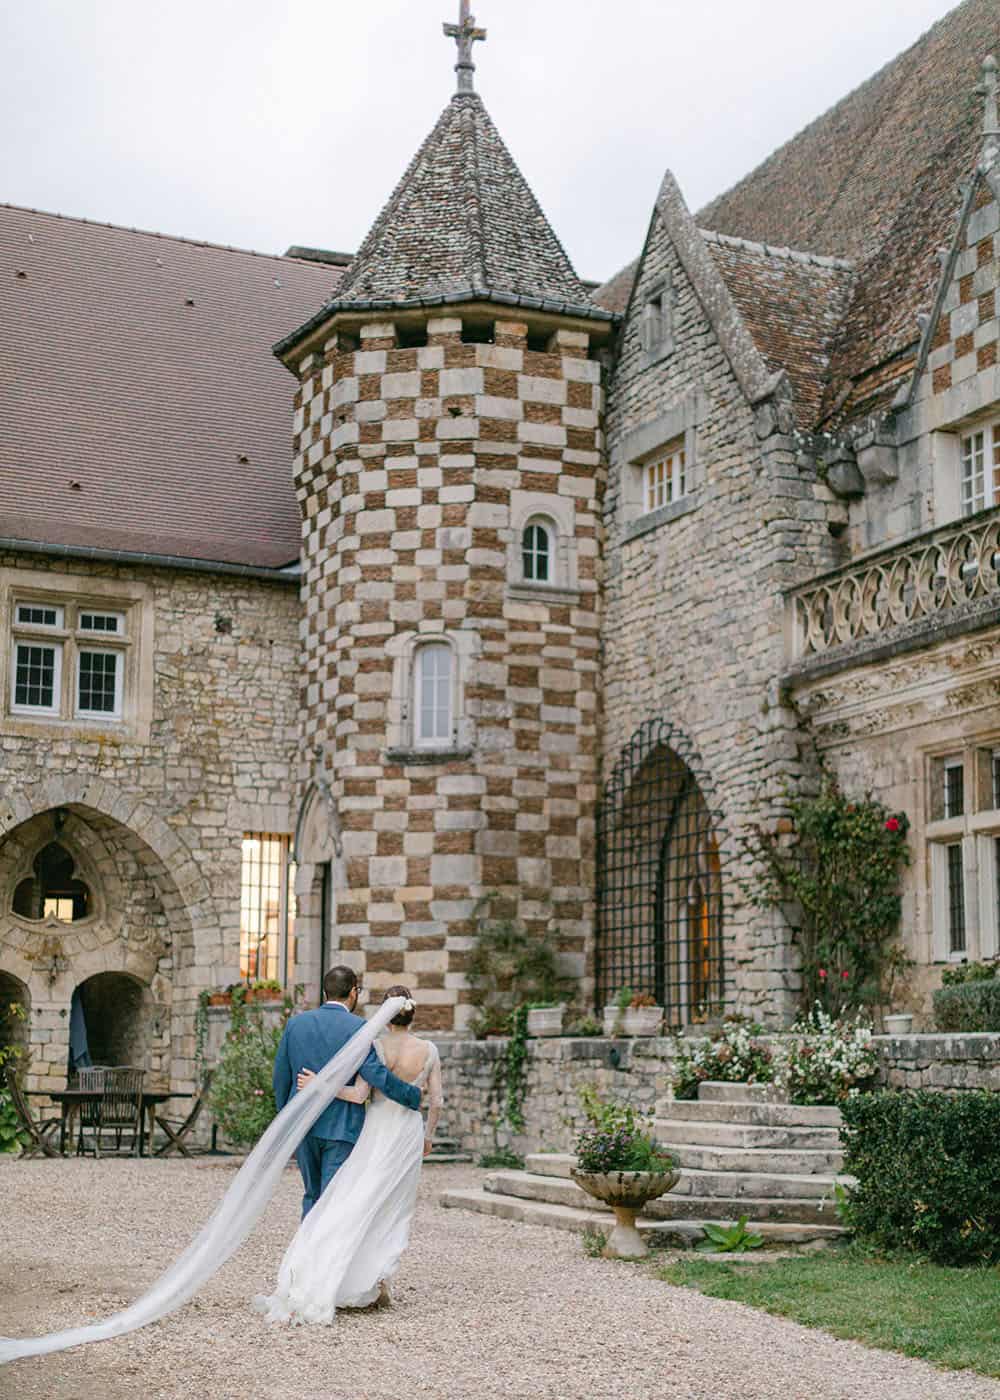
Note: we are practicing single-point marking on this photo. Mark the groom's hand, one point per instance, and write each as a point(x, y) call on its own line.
point(304, 1077)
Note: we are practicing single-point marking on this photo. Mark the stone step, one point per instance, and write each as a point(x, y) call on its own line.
point(554, 1190)
point(672, 1234)
point(718, 1091)
point(445, 1158)
point(711, 1134)
point(756, 1185)
point(799, 1161)
point(769, 1115)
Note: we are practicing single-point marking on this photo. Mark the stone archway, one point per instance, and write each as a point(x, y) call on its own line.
point(120, 1018)
point(660, 906)
point(150, 907)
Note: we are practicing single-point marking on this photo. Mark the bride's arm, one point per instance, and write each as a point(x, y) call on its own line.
point(352, 1093)
point(435, 1102)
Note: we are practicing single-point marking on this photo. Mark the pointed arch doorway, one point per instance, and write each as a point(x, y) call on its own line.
point(659, 881)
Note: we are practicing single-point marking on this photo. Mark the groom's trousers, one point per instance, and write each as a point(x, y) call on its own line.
point(319, 1161)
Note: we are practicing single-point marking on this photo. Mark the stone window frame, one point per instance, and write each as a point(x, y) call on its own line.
point(73, 595)
point(401, 742)
point(976, 833)
point(85, 869)
point(558, 514)
point(638, 448)
point(656, 323)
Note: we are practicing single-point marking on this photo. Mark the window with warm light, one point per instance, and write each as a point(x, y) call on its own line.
point(267, 908)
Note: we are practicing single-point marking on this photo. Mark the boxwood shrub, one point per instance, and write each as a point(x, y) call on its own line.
point(928, 1173)
point(969, 1006)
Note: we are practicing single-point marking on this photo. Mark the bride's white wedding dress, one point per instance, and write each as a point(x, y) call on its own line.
point(353, 1238)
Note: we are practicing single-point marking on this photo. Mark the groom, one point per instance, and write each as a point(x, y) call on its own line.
point(309, 1041)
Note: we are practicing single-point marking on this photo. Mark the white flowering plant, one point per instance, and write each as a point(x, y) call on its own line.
point(738, 1055)
point(829, 1059)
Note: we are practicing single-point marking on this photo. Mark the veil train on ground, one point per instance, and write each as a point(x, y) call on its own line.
point(237, 1213)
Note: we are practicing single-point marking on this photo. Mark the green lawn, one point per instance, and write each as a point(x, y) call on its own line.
point(949, 1317)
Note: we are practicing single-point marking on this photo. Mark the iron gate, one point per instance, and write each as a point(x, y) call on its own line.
point(659, 881)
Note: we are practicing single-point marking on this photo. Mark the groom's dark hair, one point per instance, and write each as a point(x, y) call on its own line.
point(339, 983)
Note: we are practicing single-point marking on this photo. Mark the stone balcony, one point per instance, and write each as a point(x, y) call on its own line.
point(907, 596)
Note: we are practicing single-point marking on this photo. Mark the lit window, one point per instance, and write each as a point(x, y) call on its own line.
point(432, 695)
point(52, 892)
point(267, 908)
point(536, 553)
point(665, 478)
point(981, 469)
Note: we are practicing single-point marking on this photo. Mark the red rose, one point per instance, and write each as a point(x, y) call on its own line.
point(822, 973)
point(892, 824)
point(845, 975)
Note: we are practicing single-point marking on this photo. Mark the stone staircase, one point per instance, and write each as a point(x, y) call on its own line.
point(446, 1149)
point(740, 1153)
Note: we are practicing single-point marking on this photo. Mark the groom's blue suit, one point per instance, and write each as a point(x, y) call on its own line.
point(309, 1041)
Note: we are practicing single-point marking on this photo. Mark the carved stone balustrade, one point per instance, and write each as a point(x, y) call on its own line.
point(909, 594)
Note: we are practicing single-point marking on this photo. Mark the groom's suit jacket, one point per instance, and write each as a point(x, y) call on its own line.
point(310, 1040)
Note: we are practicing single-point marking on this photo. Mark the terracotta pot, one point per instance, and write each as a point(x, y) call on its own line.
point(626, 1193)
point(261, 995)
point(220, 999)
point(546, 1020)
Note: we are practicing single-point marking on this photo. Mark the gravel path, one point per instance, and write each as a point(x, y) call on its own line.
point(486, 1310)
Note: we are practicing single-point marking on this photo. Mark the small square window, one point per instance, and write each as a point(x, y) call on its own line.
point(39, 615)
point(109, 623)
point(665, 478)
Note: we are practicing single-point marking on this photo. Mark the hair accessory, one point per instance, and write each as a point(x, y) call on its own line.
point(409, 1004)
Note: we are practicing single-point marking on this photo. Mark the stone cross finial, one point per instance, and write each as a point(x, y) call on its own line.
point(989, 89)
point(465, 35)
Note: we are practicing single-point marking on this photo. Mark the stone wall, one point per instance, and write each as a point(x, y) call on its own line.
point(153, 810)
point(639, 1072)
point(416, 470)
point(694, 609)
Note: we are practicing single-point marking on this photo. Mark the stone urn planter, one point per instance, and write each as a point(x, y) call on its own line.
point(633, 1021)
point(546, 1020)
point(626, 1193)
point(900, 1024)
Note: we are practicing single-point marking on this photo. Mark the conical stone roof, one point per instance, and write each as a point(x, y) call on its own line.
point(461, 225)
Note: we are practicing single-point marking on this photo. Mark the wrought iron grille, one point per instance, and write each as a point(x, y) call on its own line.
point(659, 880)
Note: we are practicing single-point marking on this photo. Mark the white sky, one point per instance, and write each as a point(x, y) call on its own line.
point(268, 122)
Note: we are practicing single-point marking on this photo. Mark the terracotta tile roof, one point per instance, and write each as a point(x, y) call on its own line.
point(140, 405)
point(462, 223)
point(792, 304)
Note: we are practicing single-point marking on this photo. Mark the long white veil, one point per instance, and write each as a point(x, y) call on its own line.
point(238, 1211)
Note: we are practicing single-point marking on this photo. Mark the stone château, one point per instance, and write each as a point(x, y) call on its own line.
point(491, 582)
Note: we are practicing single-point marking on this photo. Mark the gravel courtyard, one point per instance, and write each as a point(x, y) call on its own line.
point(486, 1310)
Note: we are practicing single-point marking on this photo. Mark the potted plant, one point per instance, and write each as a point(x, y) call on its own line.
point(632, 1014)
point(618, 1162)
point(546, 1017)
point(265, 989)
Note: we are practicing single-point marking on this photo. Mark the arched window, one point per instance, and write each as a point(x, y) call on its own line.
point(538, 552)
point(52, 892)
point(432, 695)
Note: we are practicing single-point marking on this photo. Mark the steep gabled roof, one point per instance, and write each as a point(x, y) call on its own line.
point(140, 406)
point(792, 304)
point(462, 224)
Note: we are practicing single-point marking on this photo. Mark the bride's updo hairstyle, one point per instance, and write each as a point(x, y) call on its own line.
point(406, 1015)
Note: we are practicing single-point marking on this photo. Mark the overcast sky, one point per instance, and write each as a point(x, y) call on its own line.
point(268, 122)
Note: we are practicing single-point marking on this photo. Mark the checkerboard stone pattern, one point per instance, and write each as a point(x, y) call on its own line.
point(406, 461)
point(964, 341)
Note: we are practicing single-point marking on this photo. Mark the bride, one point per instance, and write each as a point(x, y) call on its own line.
point(256, 1181)
point(349, 1245)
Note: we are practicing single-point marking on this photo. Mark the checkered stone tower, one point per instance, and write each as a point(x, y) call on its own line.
point(449, 468)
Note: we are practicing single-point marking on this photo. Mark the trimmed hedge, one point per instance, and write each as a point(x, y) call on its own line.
point(969, 1006)
point(928, 1173)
